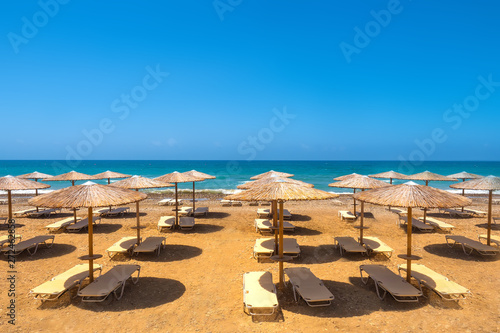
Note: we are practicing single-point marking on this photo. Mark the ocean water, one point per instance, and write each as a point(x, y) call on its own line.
point(232, 173)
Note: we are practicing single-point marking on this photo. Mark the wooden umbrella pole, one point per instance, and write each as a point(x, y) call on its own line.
point(490, 199)
point(91, 244)
point(138, 223)
point(361, 222)
point(193, 199)
point(425, 209)
point(109, 182)
point(354, 191)
point(274, 208)
point(390, 182)
point(9, 198)
point(408, 246)
point(36, 193)
point(176, 207)
point(463, 193)
point(74, 209)
point(281, 245)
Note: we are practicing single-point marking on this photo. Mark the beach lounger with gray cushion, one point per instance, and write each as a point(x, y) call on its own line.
point(263, 213)
point(185, 211)
point(5, 240)
point(438, 224)
point(375, 245)
point(200, 211)
point(265, 225)
point(44, 212)
point(494, 239)
point(346, 215)
point(24, 212)
point(225, 203)
point(265, 203)
point(440, 284)
point(166, 202)
point(416, 224)
point(186, 223)
point(253, 203)
point(387, 281)
point(309, 287)
point(469, 245)
point(259, 294)
point(455, 213)
point(495, 219)
point(150, 245)
point(349, 244)
point(166, 222)
point(113, 281)
point(286, 214)
point(264, 248)
point(102, 211)
point(60, 225)
point(399, 211)
point(31, 245)
point(475, 212)
point(3, 220)
point(115, 212)
point(82, 224)
point(58, 285)
point(236, 203)
point(124, 245)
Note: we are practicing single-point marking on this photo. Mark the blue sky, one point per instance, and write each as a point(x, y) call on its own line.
point(230, 79)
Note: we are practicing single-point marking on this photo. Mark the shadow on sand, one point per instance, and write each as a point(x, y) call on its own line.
point(456, 252)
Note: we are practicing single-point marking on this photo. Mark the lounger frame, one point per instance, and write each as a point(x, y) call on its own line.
point(380, 286)
point(8, 251)
point(117, 291)
point(468, 246)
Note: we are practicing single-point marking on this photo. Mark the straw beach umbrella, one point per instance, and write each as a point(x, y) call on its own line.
point(410, 195)
point(10, 183)
point(35, 176)
point(389, 175)
point(88, 195)
point(176, 177)
point(110, 174)
point(71, 176)
point(281, 191)
point(136, 183)
point(428, 176)
point(202, 176)
point(363, 183)
point(272, 173)
point(464, 176)
point(271, 179)
point(490, 184)
point(349, 176)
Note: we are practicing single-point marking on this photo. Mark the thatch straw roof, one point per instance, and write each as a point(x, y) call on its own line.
point(10, 183)
point(34, 175)
point(464, 175)
point(272, 173)
point(426, 175)
point(412, 195)
point(389, 175)
point(87, 195)
point(72, 175)
point(490, 183)
point(361, 182)
point(280, 190)
point(271, 179)
point(110, 174)
point(197, 174)
point(138, 182)
point(177, 177)
point(347, 176)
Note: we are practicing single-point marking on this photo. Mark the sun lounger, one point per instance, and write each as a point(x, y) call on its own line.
point(60, 225)
point(469, 245)
point(399, 211)
point(225, 203)
point(475, 212)
point(24, 212)
point(493, 239)
point(58, 285)
point(438, 224)
point(200, 211)
point(349, 244)
point(185, 211)
point(309, 287)
point(265, 203)
point(259, 294)
point(455, 213)
point(448, 290)
point(44, 213)
point(124, 245)
point(150, 245)
point(113, 281)
point(3, 201)
point(166, 222)
point(495, 219)
point(375, 245)
point(186, 223)
point(253, 203)
point(236, 203)
point(82, 224)
point(416, 224)
point(263, 213)
point(29, 244)
point(265, 225)
point(115, 212)
point(166, 202)
point(3, 220)
point(264, 248)
point(102, 211)
point(346, 215)
point(4, 240)
point(286, 214)
point(389, 282)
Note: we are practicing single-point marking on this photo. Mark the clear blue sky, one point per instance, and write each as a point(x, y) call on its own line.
point(69, 68)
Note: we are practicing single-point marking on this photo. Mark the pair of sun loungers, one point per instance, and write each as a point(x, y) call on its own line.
point(266, 226)
point(470, 245)
point(416, 224)
point(169, 202)
point(266, 212)
point(188, 211)
point(370, 245)
point(112, 282)
point(346, 215)
point(44, 212)
point(229, 203)
point(168, 222)
point(120, 211)
point(128, 245)
point(82, 224)
point(30, 245)
point(264, 248)
point(455, 213)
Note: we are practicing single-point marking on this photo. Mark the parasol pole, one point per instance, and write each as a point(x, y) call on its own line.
point(138, 223)
point(193, 199)
point(361, 222)
point(281, 245)
point(91, 245)
point(425, 209)
point(408, 246)
point(9, 196)
point(176, 207)
point(274, 208)
point(36, 193)
point(490, 199)
point(354, 191)
point(463, 194)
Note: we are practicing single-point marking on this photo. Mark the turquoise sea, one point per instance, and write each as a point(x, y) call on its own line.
point(232, 173)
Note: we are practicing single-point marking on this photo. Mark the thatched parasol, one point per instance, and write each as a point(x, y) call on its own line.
point(490, 184)
point(10, 183)
point(410, 195)
point(271, 179)
point(136, 183)
point(177, 177)
point(88, 195)
point(389, 175)
point(464, 176)
point(278, 192)
point(349, 176)
point(71, 176)
point(428, 176)
point(363, 183)
point(110, 174)
point(202, 176)
point(272, 173)
point(35, 176)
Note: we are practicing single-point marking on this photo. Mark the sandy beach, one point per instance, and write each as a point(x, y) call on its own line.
point(195, 284)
